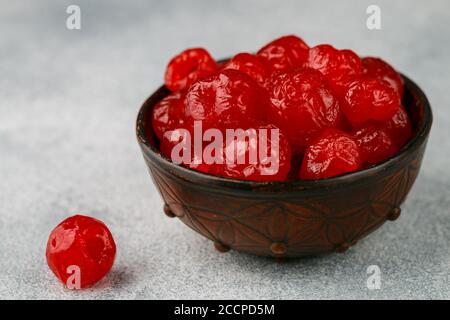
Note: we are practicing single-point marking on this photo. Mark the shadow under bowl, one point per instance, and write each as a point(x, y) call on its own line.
point(291, 218)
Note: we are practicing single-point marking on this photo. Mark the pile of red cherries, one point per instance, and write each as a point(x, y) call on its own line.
point(336, 112)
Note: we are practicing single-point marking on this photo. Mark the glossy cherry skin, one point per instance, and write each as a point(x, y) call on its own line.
point(370, 99)
point(399, 127)
point(249, 64)
point(187, 67)
point(302, 105)
point(375, 144)
point(273, 166)
point(227, 99)
point(284, 53)
point(340, 67)
point(184, 137)
point(332, 153)
point(171, 138)
point(81, 242)
point(168, 114)
point(380, 69)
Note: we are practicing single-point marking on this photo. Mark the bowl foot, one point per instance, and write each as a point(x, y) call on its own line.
point(341, 248)
point(278, 248)
point(221, 247)
point(394, 214)
point(168, 212)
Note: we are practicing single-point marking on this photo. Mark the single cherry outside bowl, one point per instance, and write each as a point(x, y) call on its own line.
point(292, 218)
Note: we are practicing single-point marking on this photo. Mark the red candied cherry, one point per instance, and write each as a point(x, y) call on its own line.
point(187, 67)
point(227, 99)
point(273, 164)
point(330, 154)
point(250, 64)
point(370, 99)
point(171, 138)
point(340, 67)
point(399, 127)
point(349, 69)
point(185, 153)
point(80, 251)
point(375, 144)
point(380, 69)
point(302, 105)
point(168, 114)
point(284, 53)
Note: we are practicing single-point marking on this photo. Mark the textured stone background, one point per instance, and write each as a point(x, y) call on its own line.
point(68, 102)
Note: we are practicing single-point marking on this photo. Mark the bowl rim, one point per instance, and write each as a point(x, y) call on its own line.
point(414, 143)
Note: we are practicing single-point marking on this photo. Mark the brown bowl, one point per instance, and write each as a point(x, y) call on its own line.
point(292, 218)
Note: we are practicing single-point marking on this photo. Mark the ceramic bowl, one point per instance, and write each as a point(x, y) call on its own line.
point(292, 218)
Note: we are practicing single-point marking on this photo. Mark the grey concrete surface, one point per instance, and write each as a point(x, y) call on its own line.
point(68, 102)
